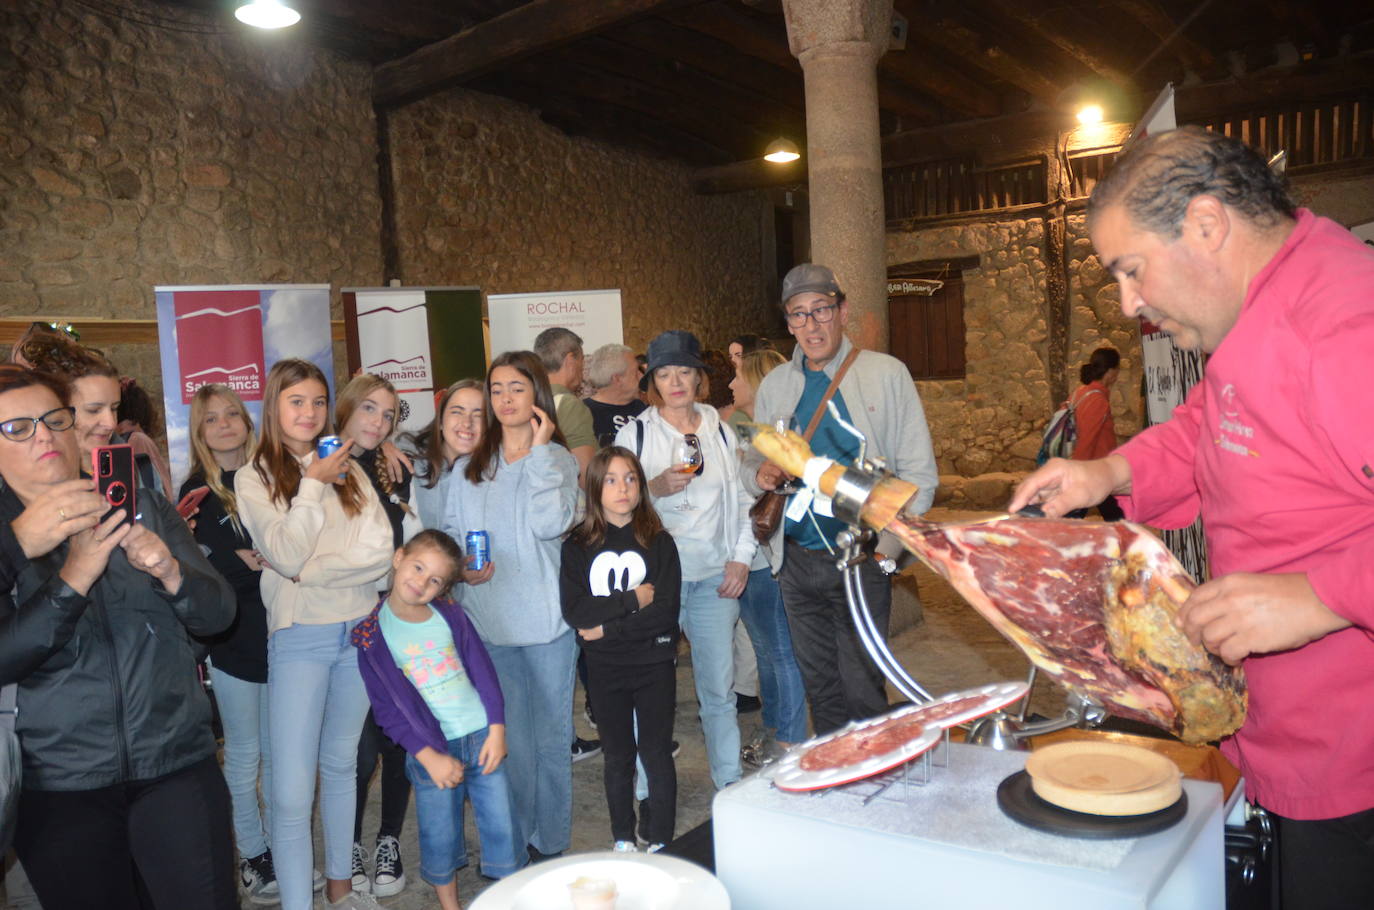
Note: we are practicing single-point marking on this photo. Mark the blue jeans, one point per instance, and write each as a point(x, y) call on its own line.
point(243, 713)
point(317, 705)
point(443, 849)
point(708, 620)
point(537, 682)
point(780, 682)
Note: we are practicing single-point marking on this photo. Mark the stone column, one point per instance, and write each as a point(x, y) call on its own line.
point(838, 43)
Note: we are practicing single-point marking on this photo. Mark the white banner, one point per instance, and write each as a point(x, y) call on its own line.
point(517, 319)
point(393, 342)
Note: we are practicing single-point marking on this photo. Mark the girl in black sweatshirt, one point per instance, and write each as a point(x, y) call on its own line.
point(619, 584)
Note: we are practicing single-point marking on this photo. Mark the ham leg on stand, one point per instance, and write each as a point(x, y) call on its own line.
point(1092, 604)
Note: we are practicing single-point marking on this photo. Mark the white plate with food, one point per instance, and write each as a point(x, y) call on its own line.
point(607, 881)
point(870, 747)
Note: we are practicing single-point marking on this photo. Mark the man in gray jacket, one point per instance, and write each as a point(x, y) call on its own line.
point(876, 395)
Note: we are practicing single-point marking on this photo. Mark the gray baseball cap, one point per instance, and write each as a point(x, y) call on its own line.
point(810, 278)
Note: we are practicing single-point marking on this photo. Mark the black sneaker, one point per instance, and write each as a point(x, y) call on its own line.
point(677, 747)
point(259, 878)
point(388, 874)
point(747, 704)
point(361, 883)
point(587, 713)
point(585, 748)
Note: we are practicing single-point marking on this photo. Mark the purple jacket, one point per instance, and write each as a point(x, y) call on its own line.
point(396, 704)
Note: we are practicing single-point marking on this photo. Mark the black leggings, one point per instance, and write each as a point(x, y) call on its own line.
point(372, 744)
point(619, 694)
point(171, 835)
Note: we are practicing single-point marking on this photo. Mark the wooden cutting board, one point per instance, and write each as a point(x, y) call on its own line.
point(1103, 778)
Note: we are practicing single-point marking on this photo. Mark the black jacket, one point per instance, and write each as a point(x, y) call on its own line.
point(107, 683)
point(597, 589)
point(241, 649)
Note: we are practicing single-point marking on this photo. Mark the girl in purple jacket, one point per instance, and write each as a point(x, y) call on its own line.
point(434, 691)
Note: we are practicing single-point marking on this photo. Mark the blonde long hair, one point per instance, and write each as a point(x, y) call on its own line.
point(203, 459)
point(353, 395)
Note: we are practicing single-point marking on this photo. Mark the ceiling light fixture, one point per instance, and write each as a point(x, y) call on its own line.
point(1090, 114)
point(781, 151)
point(267, 14)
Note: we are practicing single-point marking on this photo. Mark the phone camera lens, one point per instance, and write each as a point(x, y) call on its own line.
point(116, 493)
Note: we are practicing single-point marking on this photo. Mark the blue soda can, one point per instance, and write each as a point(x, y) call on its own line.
point(478, 547)
point(327, 446)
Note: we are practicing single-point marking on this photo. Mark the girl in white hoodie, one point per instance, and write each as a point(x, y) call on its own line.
point(326, 540)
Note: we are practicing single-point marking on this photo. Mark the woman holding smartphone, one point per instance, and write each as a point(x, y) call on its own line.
point(120, 780)
point(319, 524)
point(520, 486)
point(689, 455)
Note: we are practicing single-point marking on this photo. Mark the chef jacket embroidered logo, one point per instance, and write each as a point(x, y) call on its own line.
point(616, 572)
point(1234, 434)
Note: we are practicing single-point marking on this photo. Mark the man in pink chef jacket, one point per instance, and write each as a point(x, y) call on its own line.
point(1275, 449)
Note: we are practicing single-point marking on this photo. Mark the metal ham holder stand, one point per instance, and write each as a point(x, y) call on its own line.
point(999, 730)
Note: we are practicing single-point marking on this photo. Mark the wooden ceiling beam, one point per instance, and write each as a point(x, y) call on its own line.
point(1035, 132)
point(755, 38)
point(1192, 55)
point(732, 100)
point(954, 37)
point(748, 175)
point(1033, 18)
point(954, 90)
point(743, 140)
point(715, 57)
point(536, 26)
point(615, 126)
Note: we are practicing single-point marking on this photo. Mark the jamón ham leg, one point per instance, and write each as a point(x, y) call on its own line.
point(1092, 604)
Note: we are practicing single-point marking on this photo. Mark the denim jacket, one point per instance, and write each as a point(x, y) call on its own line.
point(397, 705)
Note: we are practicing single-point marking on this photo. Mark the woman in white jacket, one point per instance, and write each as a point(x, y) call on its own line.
point(326, 540)
point(707, 513)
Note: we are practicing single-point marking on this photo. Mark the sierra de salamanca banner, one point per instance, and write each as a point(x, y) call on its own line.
point(232, 335)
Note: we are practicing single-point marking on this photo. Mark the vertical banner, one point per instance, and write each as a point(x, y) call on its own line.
point(1169, 371)
point(418, 339)
point(232, 335)
point(517, 319)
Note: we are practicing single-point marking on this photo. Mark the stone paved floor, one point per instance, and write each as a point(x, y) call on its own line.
point(953, 648)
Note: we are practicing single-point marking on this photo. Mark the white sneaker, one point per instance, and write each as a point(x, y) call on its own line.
point(625, 846)
point(654, 848)
point(388, 875)
point(354, 900)
point(360, 880)
point(317, 880)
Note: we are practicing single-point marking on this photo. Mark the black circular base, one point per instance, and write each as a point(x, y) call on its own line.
point(1019, 801)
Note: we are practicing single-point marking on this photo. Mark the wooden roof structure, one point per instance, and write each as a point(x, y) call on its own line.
point(712, 82)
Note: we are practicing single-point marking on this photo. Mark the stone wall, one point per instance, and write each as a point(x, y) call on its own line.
point(489, 195)
point(136, 155)
point(989, 423)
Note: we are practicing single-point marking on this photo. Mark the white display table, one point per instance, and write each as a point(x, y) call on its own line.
point(947, 845)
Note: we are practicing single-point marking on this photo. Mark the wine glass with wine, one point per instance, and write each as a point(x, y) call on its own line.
point(689, 459)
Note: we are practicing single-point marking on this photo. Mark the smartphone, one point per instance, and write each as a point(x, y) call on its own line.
point(191, 501)
point(113, 467)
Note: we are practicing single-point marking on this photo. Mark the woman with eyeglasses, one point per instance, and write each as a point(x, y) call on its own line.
point(120, 780)
point(689, 455)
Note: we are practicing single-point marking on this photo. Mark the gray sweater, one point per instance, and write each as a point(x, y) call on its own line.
point(883, 405)
point(524, 509)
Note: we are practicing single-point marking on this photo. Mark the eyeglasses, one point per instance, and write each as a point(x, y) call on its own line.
point(17, 429)
point(822, 314)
